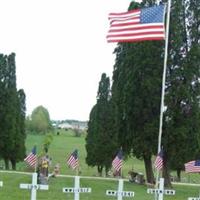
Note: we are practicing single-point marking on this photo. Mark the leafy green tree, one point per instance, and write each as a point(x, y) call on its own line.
point(101, 141)
point(40, 121)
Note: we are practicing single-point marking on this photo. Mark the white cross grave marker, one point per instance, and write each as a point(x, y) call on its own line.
point(34, 186)
point(120, 193)
point(161, 191)
point(1, 183)
point(76, 190)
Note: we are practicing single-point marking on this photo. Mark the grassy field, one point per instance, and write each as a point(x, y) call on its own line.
point(60, 149)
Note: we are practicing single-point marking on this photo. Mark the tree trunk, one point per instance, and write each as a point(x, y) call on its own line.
point(149, 170)
point(13, 163)
point(100, 169)
point(166, 174)
point(106, 171)
point(6, 161)
point(178, 174)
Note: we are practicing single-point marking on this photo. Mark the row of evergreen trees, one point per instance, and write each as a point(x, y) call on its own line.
point(127, 114)
point(12, 114)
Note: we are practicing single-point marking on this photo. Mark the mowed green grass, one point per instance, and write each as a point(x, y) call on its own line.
point(61, 147)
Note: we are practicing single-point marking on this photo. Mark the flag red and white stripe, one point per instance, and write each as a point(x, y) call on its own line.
point(192, 166)
point(118, 161)
point(159, 161)
point(137, 25)
point(31, 158)
point(73, 161)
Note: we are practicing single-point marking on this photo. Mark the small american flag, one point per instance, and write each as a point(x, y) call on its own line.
point(31, 158)
point(159, 161)
point(192, 166)
point(72, 161)
point(137, 25)
point(118, 161)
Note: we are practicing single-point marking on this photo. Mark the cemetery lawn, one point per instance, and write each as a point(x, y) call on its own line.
point(62, 145)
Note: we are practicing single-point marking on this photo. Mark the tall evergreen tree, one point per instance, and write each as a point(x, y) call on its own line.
point(181, 129)
point(100, 142)
point(136, 93)
point(18, 153)
point(12, 139)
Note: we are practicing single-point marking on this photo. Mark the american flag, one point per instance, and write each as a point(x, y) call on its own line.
point(72, 161)
point(192, 166)
point(159, 161)
point(31, 158)
point(118, 160)
point(137, 25)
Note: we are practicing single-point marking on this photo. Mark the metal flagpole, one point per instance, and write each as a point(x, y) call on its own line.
point(163, 81)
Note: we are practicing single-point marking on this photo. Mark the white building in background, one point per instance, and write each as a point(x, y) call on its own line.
point(73, 125)
point(65, 125)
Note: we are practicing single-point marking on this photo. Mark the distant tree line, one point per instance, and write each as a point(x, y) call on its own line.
point(12, 114)
point(127, 114)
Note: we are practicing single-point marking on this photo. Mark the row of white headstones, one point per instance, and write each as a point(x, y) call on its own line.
point(159, 193)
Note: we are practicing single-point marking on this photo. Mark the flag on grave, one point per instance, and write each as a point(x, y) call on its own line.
point(192, 166)
point(118, 161)
point(159, 160)
point(31, 158)
point(73, 161)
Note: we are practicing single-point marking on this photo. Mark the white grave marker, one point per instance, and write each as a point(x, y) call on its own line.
point(120, 193)
point(76, 190)
point(194, 198)
point(1, 183)
point(161, 191)
point(34, 186)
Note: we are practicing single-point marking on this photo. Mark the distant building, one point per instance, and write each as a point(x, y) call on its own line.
point(65, 126)
point(80, 125)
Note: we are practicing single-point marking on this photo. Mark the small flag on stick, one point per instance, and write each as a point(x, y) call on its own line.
point(72, 161)
point(118, 161)
point(192, 166)
point(159, 161)
point(137, 25)
point(31, 158)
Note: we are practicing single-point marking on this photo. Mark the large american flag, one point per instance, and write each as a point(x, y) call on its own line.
point(72, 161)
point(159, 161)
point(192, 166)
point(118, 161)
point(31, 158)
point(137, 25)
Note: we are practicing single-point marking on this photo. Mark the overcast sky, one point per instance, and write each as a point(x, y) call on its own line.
point(61, 51)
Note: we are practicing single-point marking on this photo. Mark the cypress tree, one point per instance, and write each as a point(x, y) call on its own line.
point(101, 142)
point(181, 129)
point(136, 93)
point(12, 137)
